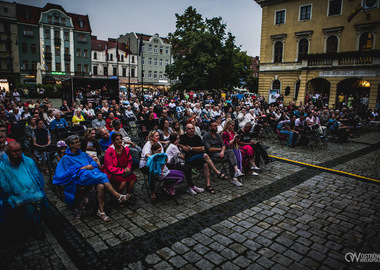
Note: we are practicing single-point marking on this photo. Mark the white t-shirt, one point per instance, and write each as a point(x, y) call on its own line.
point(147, 149)
point(171, 151)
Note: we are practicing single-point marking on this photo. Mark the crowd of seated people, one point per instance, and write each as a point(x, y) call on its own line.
point(182, 132)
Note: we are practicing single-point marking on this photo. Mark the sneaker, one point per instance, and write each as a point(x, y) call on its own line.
point(255, 168)
point(171, 191)
point(197, 189)
point(236, 182)
point(254, 173)
point(191, 191)
point(238, 173)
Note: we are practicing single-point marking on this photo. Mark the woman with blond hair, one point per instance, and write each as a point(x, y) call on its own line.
point(153, 137)
point(78, 117)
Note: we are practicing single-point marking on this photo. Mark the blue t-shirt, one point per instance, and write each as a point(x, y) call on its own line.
point(104, 144)
point(58, 124)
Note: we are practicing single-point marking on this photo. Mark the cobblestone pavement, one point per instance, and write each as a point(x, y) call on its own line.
point(288, 217)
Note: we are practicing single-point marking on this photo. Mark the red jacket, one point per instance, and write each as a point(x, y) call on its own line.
point(109, 124)
point(110, 162)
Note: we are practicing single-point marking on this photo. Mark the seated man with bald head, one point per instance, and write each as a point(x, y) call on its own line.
point(21, 185)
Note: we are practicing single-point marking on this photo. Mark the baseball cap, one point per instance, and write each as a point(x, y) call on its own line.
point(61, 144)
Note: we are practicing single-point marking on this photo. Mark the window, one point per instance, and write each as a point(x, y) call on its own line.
point(143, 48)
point(124, 72)
point(155, 75)
point(85, 53)
point(47, 49)
point(111, 57)
point(155, 50)
point(155, 62)
point(28, 32)
point(86, 68)
point(57, 50)
point(133, 59)
point(167, 50)
point(67, 67)
point(280, 17)
point(48, 66)
point(50, 19)
point(82, 38)
point(132, 72)
point(63, 21)
point(166, 62)
point(79, 68)
point(366, 41)
point(160, 62)
point(150, 74)
point(335, 7)
point(278, 52)
point(78, 53)
point(160, 75)
point(143, 61)
point(122, 58)
point(150, 48)
point(303, 48)
point(7, 28)
point(150, 62)
point(114, 71)
point(369, 4)
point(276, 85)
point(332, 44)
point(95, 55)
point(57, 66)
point(105, 71)
point(56, 34)
point(5, 10)
point(67, 50)
point(66, 36)
point(33, 48)
point(81, 23)
point(34, 66)
point(95, 70)
point(25, 65)
point(161, 50)
point(24, 48)
point(47, 33)
point(305, 13)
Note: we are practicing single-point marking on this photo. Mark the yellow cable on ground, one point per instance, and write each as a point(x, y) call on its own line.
point(326, 169)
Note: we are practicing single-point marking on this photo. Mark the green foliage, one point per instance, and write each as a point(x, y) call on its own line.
point(205, 56)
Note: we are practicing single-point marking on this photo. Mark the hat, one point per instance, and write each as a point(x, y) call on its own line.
point(61, 144)
point(207, 105)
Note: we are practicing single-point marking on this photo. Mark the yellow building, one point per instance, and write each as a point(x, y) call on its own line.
point(309, 46)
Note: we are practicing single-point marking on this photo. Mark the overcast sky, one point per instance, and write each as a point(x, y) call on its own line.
point(114, 17)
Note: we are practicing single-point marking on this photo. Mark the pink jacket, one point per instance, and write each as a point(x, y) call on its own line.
point(110, 162)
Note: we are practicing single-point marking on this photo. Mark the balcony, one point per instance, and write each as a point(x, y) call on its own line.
point(67, 57)
point(57, 41)
point(48, 56)
point(345, 59)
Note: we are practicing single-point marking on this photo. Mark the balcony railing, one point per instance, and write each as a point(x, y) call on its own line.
point(48, 56)
point(356, 58)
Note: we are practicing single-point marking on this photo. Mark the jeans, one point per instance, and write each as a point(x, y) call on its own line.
point(290, 135)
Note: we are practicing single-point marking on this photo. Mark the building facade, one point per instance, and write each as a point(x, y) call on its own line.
point(53, 41)
point(9, 56)
point(155, 56)
point(320, 46)
point(110, 59)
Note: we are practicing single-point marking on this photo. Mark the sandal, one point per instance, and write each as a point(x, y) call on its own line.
point(103, 216)
point(153, 197)
point(222, 176)
point(124, 198)
point(210, 190)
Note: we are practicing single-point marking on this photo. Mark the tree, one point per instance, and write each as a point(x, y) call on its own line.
point(205, 56)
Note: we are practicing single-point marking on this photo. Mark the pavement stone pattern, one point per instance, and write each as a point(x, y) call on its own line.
point(288, 217)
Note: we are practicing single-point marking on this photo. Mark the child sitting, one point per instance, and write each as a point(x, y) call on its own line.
point(157, 167)
point(62, 146)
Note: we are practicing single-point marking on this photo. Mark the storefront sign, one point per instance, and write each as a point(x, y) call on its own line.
point(350, 73)
point(58, 73)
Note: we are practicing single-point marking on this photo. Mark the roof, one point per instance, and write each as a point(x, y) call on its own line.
point(148, 37)
point(32, 15)
point(100, 45)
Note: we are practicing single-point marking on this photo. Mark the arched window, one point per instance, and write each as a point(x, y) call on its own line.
point(276, 85)
point(278, 46)
point(95, 55)
point(303, 48)
point(332, 44)
point(366, 41)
